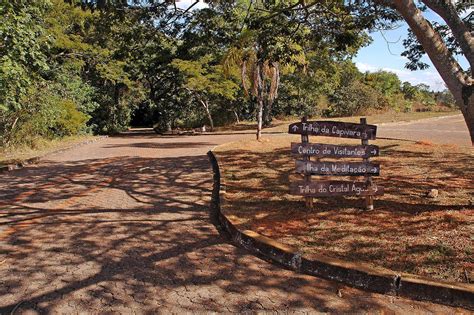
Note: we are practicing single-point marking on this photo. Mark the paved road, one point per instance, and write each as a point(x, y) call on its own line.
point(122, 225)
point(444, 130)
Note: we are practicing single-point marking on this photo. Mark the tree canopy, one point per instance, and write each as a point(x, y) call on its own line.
point(80, 66)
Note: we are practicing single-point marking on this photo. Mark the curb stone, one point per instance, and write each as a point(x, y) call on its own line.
point(36, 159)
point(358, 275)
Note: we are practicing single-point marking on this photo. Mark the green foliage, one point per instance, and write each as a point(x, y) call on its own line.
point(47, 115)
point(203, 78)
point(445, 98)
point(422, 96)
point(354, 99)
point(384, 82)
point(70, 121)
point(409, 91)
point(71, 67)
point(22, 54)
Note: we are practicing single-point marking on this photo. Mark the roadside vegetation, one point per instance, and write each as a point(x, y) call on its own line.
point(68, 70)
point(40, 147)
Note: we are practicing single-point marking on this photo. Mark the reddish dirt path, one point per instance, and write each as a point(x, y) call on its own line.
point(122, 225)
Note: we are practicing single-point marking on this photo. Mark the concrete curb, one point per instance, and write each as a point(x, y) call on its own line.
point(36, 159)
point(356, 275)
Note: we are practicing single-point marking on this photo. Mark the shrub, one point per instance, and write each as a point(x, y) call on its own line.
point(70, 121)
point(354, 99)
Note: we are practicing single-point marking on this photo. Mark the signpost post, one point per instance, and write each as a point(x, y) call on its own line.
point(369, 200)
point(307, 177)
point(326, 188)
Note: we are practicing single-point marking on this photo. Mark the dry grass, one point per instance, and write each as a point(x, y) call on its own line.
point(407, 231)
point(40, 148)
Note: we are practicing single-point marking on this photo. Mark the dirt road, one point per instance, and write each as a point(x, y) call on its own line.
point(122, 225)
point(444, 130)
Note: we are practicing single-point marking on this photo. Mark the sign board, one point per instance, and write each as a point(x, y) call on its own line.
point(305, 150)
point(334, 129)
point(335, 188)
point(337, 168)
point(335, 151)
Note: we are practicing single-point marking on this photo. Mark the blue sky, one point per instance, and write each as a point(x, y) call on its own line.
point(385, 53)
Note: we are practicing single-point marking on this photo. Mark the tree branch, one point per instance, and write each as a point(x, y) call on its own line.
point(449, 69)
point(447, 11)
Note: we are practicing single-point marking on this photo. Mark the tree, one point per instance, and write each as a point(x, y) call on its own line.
point(262, 47)
point(353, 99)
point(22, 61)
point(260, 78)
point(445, 98)
point(386, 83)
point(441, 53)
point(439, 42)
point(42, 92)
point(205, 81)
point(409, 91)
point(271, 40)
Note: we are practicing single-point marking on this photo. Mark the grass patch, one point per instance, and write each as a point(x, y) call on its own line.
point(407, 231)
point(41, 147)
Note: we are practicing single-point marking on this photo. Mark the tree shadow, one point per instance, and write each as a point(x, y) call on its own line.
point(125, 234)
point(257, 186)
point(154, 145)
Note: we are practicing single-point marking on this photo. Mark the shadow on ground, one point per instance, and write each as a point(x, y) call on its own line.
point(406, 232)
point(123, 234)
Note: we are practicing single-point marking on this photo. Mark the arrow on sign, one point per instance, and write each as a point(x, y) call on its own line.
point(294, 128)
point(373, 151)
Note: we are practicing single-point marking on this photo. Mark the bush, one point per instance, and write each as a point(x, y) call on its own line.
point(354, 99)
point(70, 121)
point(43, 114)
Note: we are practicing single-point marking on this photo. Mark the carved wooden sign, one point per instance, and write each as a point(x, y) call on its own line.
point(335, 151)
point(327, 188)
point(334, 129)
point(337, 168)
point(310, 188)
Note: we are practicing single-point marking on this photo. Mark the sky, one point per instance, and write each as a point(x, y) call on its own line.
point(385, 54)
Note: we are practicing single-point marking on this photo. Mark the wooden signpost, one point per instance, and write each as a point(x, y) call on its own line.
point(334, 129)
point(334, 188)
point(335, 151)
point(326, 188)
point(337, 168)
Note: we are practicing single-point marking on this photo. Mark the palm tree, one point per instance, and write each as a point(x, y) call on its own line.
point(260, 75)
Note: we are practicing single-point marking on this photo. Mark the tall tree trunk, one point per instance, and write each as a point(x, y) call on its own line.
point(459, 28)
point(258, 83)
point(259, 118)
point(266, 119)
point(116, 107)
point(8, 135)
point(205, 104)
point(237, 119)
point(458, 82)
point(468, 113)
point(272, 94)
